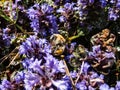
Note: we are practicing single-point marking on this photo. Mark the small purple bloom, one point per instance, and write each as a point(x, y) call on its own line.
point(35, 66)
point(113, 14)
point(90, 88)
point(53, 24)
point(46, 9)
point(69, 6)
point(31, 79)
point(94, 75)
point(117, 87)
point(35, 25)
point(82, 2)
point(110, 55)
point(34, 47)
point(86, 67)
point(103, 3)
point(19, 76)
point(61, 84)
point(7, 36)
point(61, 10)
point(112, 88)
point(104, 87)
point(81, 86)
point(5, 85)
point(33, 12)
point(42, 19)
point(101, 76)
point(73, 74)
point(62, 19)
point(96, 49)
point(112, 1)
point(54, 65)
point(118, 4)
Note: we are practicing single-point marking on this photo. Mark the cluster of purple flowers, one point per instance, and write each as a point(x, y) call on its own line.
point(72, 12)
point(35, 47)
point(114, 10)
point(42, 19)
point(41, 67)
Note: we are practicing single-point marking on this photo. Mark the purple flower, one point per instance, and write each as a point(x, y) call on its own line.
point(62, 84)
point(35, 47)
point(103, 3)
point(81, 85)
point(86, 67)
point(66, 12)
point(33, 12)
point(90, 88)
point(95, 52)
point(18, 5)
point(24, 48)
point(81, 9)
point(5, 85)
point(104, 87)
point(101, 76)
point(118, 4)
point(96, 49)
point(54, 65)
point(31, 79)
point(27, 61)
point(37, 67)
point(36, 70)
point(62, 19)
point(113, 14)
point(81, 14)
point(61, 10)
point(110, 55)
point(112, 88)
point(35, 25)
point(46, 9)
point(117, 87)
point(53, 24)
point(73, 74)
point(19, 76)
point(7, 36)
point(69, 6)
point(94, 75)
point(82, 2)
point(112, 1)
point(42, 19)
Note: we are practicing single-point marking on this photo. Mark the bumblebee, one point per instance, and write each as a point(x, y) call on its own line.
point(57, 42)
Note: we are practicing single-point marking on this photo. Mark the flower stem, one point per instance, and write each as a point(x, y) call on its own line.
point(67, 72)
point(79, 73)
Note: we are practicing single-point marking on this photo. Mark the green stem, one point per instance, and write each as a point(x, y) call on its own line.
point(3, 15)
point(74, 37)
point(19, 27)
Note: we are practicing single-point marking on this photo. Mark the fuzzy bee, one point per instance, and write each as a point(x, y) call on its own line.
point(57, 42)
